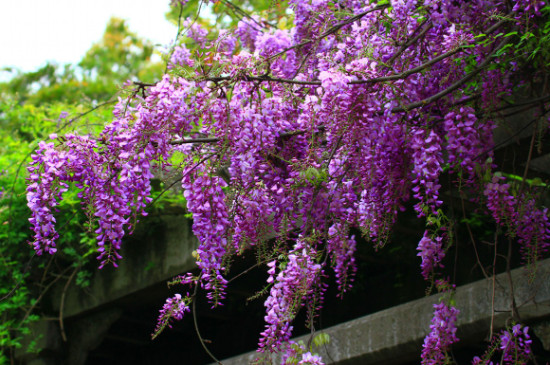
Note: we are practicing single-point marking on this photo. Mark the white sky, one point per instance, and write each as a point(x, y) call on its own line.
point(35, 31)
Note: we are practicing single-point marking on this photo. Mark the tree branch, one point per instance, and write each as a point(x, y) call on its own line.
point(62, 305)
point(243, 13)
point(410, 42)
point(399, 76)
point(330, 31)
point(453, 87)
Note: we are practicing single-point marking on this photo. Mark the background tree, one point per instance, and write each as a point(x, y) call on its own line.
point(34, 105)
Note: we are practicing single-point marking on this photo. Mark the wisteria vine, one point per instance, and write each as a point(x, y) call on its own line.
point(295, 139)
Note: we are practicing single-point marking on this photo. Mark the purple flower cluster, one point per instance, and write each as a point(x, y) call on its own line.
point(309, 359)
point(342, 249)
point(442, 335)
point(529, 6)
point(500, 203)
point(513, 347)
point(431, 252)
point(291, 286)
point(533, 231)
point(174, 308)
point(465, 141)
point(178, 2)
point(206, 201)
point(113, 172)
point(247, 31)
point(295, 353)
point(268, 44)
point(427, 160)
point(521, 217)
point(46, 169)
point(195, 31)
point(181, 56)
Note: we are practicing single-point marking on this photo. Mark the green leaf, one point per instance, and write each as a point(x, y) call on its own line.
point(321, 339)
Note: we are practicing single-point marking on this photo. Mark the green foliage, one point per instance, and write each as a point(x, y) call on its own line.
point(321, 339)
point(224, 14)
point(34, 105)
point(531, 48)
point(23, 275)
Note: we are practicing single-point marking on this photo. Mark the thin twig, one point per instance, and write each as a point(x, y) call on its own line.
point(453, 87)
point(399, 76)
point(20, 280)
point(530, 102)
point(180, 32)
point(30, 310)
point(196, 140)
point(62, 305)
point(407, 73)
point(513, 304)
point(410, 42)
point(246, 271)
point(69, 122)
point(245, 14)
point(512, 136)
point(180, 179)
point(529, 157)
point(193, 304)
point(216, 139)
point(472, 239)
point(491, 327)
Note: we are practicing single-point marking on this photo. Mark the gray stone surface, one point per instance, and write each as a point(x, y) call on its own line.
point(542, 330)
point(159, 252)
point(396, 334)
point(46, 336)
point(541, 164)
point(87, 333)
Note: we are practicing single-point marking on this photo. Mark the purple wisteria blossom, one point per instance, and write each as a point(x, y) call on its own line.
point(293, 142)
point(181, 56)
point(442, 335)
point(290, 287)
point(511, 346)
point(427, 161)
point(174, 308)
point(309, 359)
point(431, 252)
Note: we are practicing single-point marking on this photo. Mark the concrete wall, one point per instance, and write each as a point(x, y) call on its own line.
point(395, 335)
point(159, 251)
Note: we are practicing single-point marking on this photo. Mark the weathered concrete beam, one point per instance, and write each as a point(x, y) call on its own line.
point(159, 251)
point(395, 335)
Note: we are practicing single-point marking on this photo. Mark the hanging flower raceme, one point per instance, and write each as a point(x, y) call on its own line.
point(467, 141)
point(511, 346)
point(431, 252)
point(342, 250)
point(291, 286)
point(43, 193)
point(521, 217)
point(427, 159)
point(442, 335)
point(206, 201)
